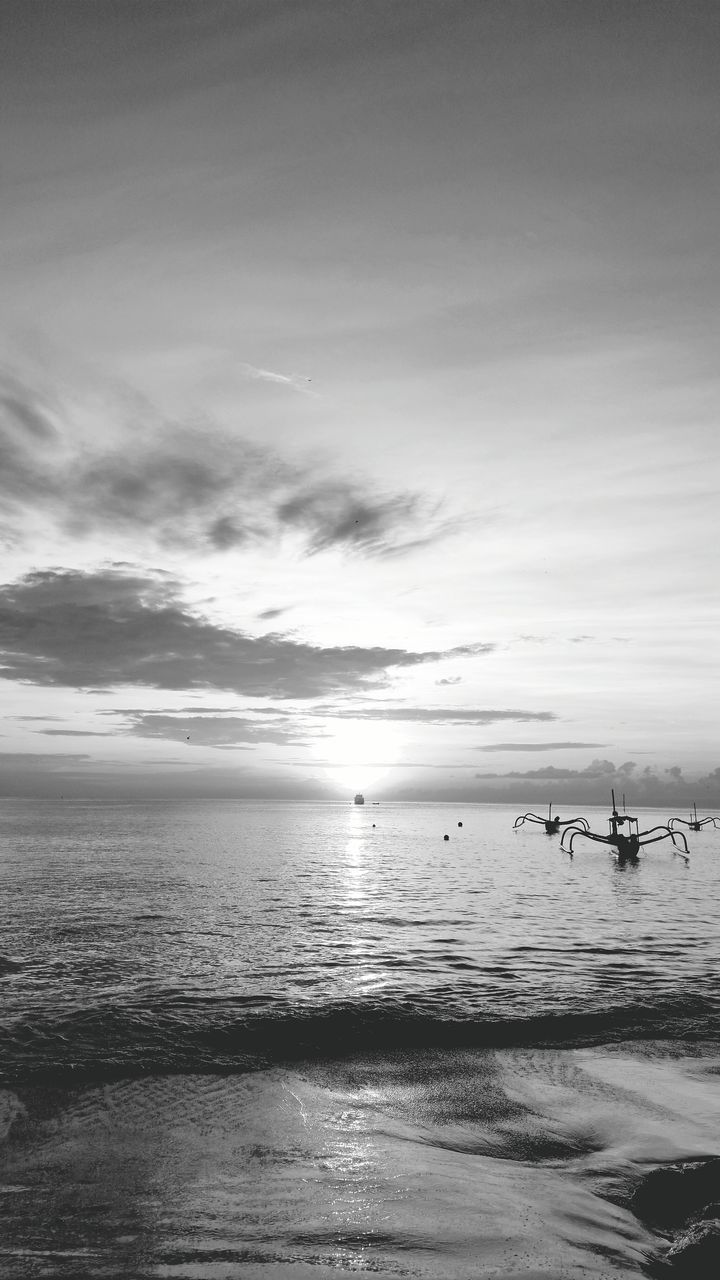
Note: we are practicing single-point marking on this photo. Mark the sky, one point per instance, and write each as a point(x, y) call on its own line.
point(360, 400)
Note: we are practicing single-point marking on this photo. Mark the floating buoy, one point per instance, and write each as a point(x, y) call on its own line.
point(446, 837)
point(459, 824)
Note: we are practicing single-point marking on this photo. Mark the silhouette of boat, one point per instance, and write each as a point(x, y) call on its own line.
point(359, 799)
point(626, 844)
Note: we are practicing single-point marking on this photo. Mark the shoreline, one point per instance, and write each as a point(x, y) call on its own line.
point(509, 1162)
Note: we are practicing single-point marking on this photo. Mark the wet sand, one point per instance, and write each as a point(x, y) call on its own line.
point(517, 1163)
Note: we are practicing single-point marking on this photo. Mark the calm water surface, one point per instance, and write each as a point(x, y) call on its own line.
point(193, 934)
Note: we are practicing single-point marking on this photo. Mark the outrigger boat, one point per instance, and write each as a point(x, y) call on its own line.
point(627, 843)
point(551, 825)
point(695, 823)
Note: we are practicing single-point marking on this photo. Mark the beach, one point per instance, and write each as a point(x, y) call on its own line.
point(509, 1163)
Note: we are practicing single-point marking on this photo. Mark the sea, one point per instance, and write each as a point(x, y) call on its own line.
point(286, 1041)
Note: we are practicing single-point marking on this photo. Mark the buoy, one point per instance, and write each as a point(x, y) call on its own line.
point(446, 837)
point(459, 824)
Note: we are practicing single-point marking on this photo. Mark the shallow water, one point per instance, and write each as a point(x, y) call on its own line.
point(294, 1040)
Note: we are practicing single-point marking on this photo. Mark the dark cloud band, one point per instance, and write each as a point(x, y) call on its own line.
point(84, 630)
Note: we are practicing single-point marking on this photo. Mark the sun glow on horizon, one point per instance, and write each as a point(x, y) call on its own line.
point(357, 754)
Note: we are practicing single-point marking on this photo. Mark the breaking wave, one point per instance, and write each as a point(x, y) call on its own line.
point(228, 1036)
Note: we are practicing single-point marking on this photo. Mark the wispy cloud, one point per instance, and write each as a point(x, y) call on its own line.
point(540, 746)
point(297, 381)
point(86, 630)
point(219, 731)
point(44, 719)
point(272, 726)
point(191, 486)
point(11, 760)
point(447, 715)
point(338, 514)
point(268, 614)
point(24, 413)
point(27, 436)
point(76, 733)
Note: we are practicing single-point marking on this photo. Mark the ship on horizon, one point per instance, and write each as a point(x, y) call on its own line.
point(359, 799)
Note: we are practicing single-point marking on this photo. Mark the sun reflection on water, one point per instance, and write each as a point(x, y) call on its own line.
point(360, 901)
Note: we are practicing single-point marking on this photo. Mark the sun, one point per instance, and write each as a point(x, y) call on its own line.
point(357, 754)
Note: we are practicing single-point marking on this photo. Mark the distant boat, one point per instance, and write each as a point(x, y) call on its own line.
point(359, 799)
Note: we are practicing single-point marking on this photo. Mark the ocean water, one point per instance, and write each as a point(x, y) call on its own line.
point(285, 1040)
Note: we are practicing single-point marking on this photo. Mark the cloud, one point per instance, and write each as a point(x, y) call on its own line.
point(447, 715)
point(540, 746)
point(74, 776)
point(26, 434)
point(75, 733)
point(268, 614)
point(24, 414)
point(83, 630)
point(597, 769)
point(337, 513)
point(666, 790)
point(450, 680)
point(12, 760)
point(535, 639)
point(217, 731)
point(230, 730)
point(191, 486)
point(594, 783)
point(43, 718)
point(298, 381)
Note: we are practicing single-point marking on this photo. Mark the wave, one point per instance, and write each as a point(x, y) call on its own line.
point(192, 1035)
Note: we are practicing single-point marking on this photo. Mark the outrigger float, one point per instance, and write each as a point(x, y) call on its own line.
point(695, 823)
point(626, 844)
point(551, 825)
